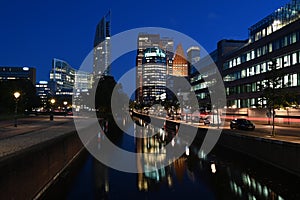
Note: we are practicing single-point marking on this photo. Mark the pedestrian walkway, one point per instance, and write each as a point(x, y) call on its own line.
point(31, 131)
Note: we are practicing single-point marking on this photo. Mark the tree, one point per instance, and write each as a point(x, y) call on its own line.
point(271, 94)
point(103, 97)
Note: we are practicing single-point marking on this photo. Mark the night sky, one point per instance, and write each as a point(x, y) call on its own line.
point(33, 32)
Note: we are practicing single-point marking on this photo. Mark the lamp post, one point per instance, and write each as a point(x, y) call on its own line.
point(65, 104)
point(16, 95)
point(52, 101)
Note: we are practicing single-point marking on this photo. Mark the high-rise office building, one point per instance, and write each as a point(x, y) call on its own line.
point(154, 74)
point(144, 41)
point(44, 92)
point(13, 73)
point(180, 64)
point(276, 37)
point(193, 57)
point(62, 77)
point(245, 65)
point(101, 63)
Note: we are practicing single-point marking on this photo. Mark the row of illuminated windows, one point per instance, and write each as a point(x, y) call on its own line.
point(246, 103)
point(288, 80)
point(203, 75)
point(255, 53)
point(203, 85)
point(281, 62)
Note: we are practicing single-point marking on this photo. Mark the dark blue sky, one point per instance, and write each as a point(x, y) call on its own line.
point(33, 32)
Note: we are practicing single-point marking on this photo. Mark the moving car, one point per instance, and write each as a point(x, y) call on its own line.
point(242, 124)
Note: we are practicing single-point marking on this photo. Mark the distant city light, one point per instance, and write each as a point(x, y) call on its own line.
point(25, 68)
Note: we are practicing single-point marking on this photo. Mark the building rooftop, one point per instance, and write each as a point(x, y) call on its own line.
point(275, 21)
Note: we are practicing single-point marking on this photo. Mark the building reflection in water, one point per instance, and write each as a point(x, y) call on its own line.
point(225, 177)
point(209, 169)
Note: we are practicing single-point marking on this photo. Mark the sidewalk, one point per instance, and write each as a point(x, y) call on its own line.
point(31, 131)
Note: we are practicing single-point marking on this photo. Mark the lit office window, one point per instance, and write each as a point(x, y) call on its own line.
point(278, 63)
point(263, 68)
point(238, 61)
point(243, 73)
point(248, 56)
point(263, 32)
point(294, 58)
point(286, 61)
point(294, 80)
point(252, 54)
point(258, 52)
point(253, 87)
point(286, 81)
point(269, 30)
point(270, 47)
point(234, 63)
point(257, 70)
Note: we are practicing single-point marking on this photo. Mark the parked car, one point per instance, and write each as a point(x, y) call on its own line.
point(242, 124)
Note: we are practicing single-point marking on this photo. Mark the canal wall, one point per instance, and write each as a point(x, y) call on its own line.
point(283, 155)
point(25, 173)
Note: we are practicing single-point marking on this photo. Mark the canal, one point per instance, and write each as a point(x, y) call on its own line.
point(222, 174)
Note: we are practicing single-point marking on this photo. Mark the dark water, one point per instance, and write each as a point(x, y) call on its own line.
point(222, 174)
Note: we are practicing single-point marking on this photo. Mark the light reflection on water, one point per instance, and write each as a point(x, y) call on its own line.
point(222, 174)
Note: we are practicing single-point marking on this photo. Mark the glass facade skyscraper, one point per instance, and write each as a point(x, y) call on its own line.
point(154, 74)
point(101, 65)
point(144, 41)
point(62, 77)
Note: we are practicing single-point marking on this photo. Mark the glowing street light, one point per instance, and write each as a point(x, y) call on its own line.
point(16, 95)
point(52, 101)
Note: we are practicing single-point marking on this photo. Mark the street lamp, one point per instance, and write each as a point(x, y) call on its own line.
point(52, 101)
point(65, 104)
point(16, 95)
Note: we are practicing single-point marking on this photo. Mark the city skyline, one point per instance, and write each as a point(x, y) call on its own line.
point(36, 33)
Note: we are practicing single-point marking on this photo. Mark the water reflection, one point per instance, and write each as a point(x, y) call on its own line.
point(222, 174)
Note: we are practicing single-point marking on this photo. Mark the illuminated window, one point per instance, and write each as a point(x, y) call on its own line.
point(263, 68)
point(243, 73)
point(294, 38)
point(286, 61)
point(248, 56)
point(257, 70)
point(269, 30)
point(278, 63)
point(270, 47)
point(252, 54)
point(238, 60)
point(294, 58)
